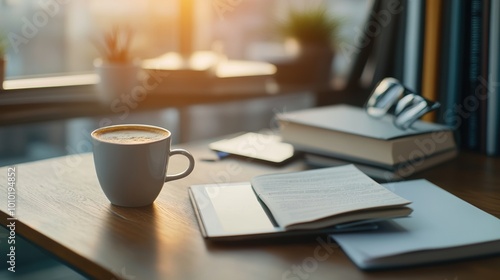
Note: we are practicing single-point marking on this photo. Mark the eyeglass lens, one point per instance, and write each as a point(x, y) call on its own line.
point(390, 96)
point(383, 98)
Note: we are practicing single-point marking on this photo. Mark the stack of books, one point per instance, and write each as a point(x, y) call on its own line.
point(342, 134)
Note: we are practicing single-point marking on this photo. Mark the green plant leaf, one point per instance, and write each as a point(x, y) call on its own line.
point(311, 25)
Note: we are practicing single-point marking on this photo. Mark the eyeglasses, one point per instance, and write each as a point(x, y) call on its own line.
point(391, 97)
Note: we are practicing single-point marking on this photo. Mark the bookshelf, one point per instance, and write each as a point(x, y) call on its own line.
point(447, 51)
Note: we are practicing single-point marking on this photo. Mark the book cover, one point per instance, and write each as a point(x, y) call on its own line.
point(441, 228)
point(348, 132)
point(354, 120)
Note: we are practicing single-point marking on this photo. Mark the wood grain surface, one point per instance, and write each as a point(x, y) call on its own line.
point(60, 207)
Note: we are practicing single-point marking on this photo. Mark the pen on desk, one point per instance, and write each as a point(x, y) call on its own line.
point(219, 156)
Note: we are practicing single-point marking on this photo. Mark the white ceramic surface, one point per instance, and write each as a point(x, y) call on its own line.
point(132, 175)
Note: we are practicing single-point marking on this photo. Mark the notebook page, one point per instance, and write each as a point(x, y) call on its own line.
point(310, 195)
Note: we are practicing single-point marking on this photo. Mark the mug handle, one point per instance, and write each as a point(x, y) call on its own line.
point(185, 172)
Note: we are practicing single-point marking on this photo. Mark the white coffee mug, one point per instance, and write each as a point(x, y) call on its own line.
point(131, 162)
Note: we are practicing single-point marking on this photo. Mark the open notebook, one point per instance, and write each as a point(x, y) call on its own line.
point(309, 202)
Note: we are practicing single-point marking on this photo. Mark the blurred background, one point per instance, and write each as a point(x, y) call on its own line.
point(61, 34)
point(57, 38)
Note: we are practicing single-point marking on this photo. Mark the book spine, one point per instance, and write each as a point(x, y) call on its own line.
point(484, 79)
point(399, 43)
point(470, 131)
point(445, 58)
point(452, 55)
point(384, 48)
point(430, 69)
point(413, 45)
point(493, 113)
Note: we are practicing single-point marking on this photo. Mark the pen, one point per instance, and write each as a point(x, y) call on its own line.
point(219, 156)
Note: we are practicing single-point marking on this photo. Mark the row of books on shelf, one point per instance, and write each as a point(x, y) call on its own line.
point(446, 50)
point(468, 69)
point(342, 134)
point(461, 66)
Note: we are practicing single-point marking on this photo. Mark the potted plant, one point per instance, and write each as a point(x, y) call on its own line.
point(3, 61)
point(315, 32)
point(117, 70)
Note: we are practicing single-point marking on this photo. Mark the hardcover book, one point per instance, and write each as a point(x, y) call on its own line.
point(347, 132)
point(397, 173)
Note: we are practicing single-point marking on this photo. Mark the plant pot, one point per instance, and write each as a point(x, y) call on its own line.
point(312, 66)
point(116, 80)
point(3, 66)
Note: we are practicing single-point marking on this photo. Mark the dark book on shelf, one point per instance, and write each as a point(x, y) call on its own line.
point(469, 101)
point(386, 42)
point(451, 60)
point(484, 76)
point(493, 103)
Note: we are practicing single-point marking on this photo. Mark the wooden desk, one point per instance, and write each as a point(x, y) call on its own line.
point(60, 207)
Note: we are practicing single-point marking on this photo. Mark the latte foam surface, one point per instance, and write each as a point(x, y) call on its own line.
point(131, 135)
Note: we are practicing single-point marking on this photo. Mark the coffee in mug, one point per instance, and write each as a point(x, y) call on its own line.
point(131, 162)
point(130, 135)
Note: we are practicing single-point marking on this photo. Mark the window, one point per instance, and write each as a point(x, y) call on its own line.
point(50, 37)
point(54, 36)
